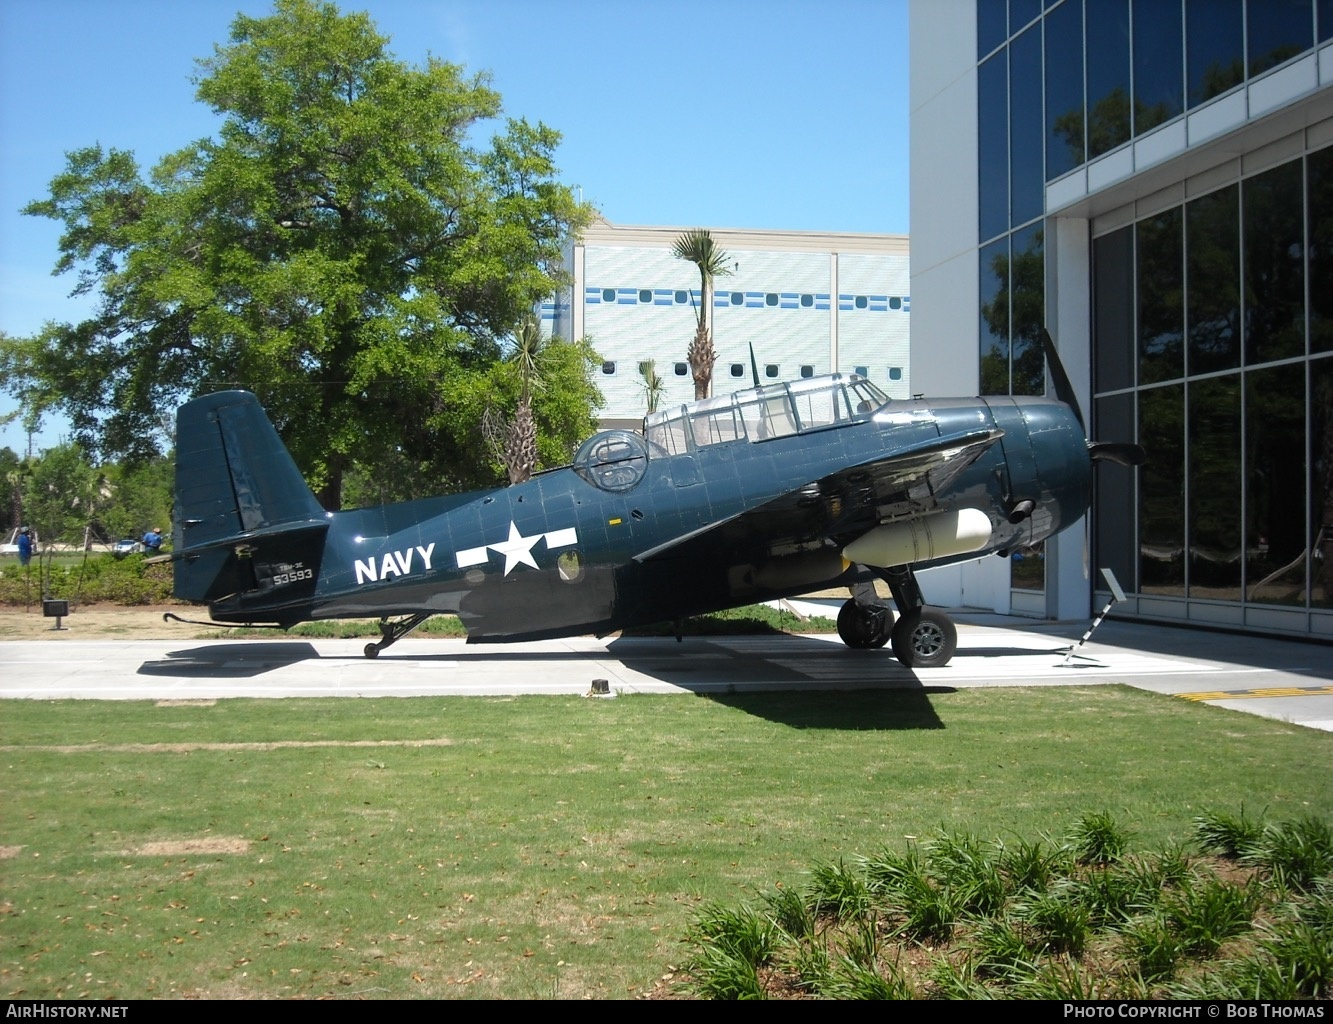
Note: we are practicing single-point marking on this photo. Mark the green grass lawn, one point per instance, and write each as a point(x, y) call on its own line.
point(541, 846)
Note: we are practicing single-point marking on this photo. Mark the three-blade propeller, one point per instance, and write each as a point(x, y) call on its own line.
point(1123, 453)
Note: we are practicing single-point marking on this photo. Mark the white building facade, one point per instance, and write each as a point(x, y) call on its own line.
point(808, 303)
point(1153, 180)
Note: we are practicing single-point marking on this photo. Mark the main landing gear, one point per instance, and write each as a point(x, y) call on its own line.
point(863, 623)
point(392, 632)
point(922, 637)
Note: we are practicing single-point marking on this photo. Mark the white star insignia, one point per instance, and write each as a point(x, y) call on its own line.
point(517, 548)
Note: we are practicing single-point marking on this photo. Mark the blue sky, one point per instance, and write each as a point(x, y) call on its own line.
point(716, 113)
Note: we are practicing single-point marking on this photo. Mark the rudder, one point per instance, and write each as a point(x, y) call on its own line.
point(236, 487)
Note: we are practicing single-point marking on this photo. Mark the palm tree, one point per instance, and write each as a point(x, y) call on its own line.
point(515, 441)
point(697, 247)
point(521, 442)
point(653, 385)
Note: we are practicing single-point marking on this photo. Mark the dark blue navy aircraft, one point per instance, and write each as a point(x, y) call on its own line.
point(766, 493)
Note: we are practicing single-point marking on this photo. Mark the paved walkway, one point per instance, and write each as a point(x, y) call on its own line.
point(1287, 680)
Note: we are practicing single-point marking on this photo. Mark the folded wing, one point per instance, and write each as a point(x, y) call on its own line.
point(843, 505)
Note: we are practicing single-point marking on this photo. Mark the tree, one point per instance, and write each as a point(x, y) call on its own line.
point(63, 494)
point(343, 247)
point(515, 440)
point(653, 385)
point(562, 410)
point(12, 480)
point(697, 247)
point(138, 498)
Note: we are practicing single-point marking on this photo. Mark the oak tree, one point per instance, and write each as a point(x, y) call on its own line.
point(347, 246)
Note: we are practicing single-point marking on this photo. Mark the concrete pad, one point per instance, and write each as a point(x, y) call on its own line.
point(1287, 680)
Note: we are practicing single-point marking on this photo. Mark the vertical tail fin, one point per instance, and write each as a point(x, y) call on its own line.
point(237, 492)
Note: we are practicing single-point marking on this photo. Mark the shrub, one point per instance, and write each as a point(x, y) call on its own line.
point(1097, 838)
point(838, 891)
point(1231, 835)
point(1208, 911)
point(1294, 852)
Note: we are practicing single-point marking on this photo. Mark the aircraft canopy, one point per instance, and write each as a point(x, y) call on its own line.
point(763, 413)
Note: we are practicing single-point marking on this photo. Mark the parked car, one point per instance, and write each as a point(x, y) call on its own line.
point(128, 546)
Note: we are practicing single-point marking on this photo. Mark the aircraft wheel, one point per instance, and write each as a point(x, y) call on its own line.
point(925, 638)
point(863, 628)
point(372, 650)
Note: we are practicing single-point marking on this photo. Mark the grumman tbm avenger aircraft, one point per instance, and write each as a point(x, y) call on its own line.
point(767, 493)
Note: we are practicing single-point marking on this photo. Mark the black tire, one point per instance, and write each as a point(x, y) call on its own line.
point(925, 638)
point(864, 628)
point(372, 650)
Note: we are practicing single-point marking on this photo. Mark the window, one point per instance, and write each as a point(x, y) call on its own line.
point(1161, 309)
point(993, 335)
point(667, 432)
point(1027, 362)
point(1274, 527)
point(807, 301)
point(1113, 317)
point(771, 370)
point(1274, 264)
point(771, 299)
point(1214, 47)
point(1027, 192)
point(992, 27)
point(1212, 270)
point(1213, 483)
point(807, 370)
point(895, 373)
point(682, 296)
point(614, 460)
point(862, 371)
point(993, 146)
point(608, 295)
point(1064, 92)
point(767, 413)
point(860, 302)
point(682, 369)
point(738, 369)
point(895, 302)
point(609, 368)
point(738, 298)
point(820, 405)
point(1108, 74)
point(570, 565)
point(1159, 70)
point(716, 421)
point(645, 295)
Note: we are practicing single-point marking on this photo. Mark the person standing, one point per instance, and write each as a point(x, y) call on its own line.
point(25, 546)
point(152, 541)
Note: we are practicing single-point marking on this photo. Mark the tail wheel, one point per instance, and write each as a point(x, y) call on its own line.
point(864, 627)
point(925, 638)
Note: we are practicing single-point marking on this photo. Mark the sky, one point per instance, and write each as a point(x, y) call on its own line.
point(777, 114)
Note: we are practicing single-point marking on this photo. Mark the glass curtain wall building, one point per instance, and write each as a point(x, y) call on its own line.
point(1154, 180)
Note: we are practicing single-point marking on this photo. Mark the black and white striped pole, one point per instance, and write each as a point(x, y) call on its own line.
point(1116, 595)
